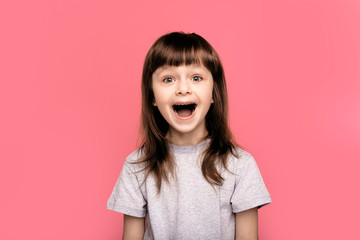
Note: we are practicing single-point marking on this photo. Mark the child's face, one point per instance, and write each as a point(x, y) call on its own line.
point(183, 96)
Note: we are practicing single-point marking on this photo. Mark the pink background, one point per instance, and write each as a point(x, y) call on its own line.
point(70, 103)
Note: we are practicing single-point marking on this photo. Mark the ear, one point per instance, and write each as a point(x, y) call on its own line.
point(212, 100)
point(154, 103)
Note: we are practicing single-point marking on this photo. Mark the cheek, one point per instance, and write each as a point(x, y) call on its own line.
point(208, 93)
point(161, 98)
point(156, 94)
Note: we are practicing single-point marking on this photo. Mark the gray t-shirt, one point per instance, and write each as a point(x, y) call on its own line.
point(189, 207)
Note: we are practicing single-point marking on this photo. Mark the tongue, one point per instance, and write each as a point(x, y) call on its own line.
point(184, 112)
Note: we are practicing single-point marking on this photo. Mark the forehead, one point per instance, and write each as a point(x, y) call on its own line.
point(192, 68)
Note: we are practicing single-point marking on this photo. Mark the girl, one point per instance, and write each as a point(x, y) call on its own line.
point(189, 179)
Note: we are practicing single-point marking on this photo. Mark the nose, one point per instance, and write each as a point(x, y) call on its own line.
point(183, 87)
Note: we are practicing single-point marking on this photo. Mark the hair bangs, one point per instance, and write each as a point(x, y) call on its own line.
point(185, 56)
point(182, 50)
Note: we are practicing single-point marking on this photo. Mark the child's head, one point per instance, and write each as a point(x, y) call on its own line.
point(178, 49)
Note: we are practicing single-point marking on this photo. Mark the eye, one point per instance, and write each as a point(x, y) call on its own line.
point(168, 80)
point(197, 78)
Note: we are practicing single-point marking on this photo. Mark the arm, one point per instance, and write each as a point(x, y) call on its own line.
point(134, 228)
point(247, 225)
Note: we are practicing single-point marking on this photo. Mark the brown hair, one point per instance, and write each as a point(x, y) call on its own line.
point(175, 49)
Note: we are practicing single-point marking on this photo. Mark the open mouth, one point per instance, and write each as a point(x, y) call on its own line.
point(184, 110)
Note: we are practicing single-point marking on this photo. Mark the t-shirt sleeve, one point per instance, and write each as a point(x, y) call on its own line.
point(250, 190)
point(126, 196)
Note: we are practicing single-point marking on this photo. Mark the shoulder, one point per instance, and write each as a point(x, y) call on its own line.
point(240, 159)
point(133, 160)
point(134, 157)
point(240, 155)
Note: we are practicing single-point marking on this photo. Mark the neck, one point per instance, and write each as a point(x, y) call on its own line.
point(185, 139)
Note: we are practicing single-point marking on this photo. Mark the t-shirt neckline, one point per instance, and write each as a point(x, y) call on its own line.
point(189, 149)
